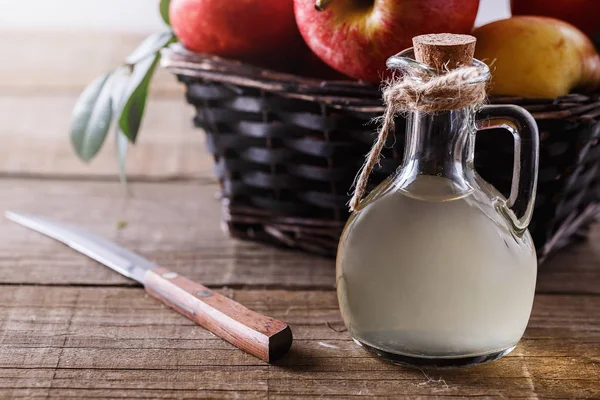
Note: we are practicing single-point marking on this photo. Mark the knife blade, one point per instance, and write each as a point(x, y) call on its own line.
point(264, 337)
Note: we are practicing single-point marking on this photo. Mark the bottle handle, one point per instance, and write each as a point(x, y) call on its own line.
point(523, 127)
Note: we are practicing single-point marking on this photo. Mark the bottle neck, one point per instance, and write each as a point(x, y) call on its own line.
point(440, 144)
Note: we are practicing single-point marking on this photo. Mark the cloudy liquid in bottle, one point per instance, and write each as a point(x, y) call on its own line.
point(429, 271)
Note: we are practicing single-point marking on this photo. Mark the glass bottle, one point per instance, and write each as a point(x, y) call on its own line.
point(436, 267)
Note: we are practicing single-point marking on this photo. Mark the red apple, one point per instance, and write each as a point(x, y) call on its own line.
point(263, 32)
point(356, 37)
point(584, 14)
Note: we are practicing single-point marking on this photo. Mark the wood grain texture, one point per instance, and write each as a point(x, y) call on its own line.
point(262, 336)
point(34, 131)
point(177, 225)
point(116, 342)
point(52, 61)
point(39, 87)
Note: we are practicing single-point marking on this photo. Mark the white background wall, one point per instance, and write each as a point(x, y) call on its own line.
point(128, 15)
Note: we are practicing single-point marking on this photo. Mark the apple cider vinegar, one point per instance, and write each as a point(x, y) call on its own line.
point(435, 267)
point(428, 272)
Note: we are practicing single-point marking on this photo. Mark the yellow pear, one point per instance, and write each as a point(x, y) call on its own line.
point(537, 57)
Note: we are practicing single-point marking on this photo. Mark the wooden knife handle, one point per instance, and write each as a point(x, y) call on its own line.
point(261, 336)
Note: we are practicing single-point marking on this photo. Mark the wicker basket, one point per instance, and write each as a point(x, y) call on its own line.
point(287, 148)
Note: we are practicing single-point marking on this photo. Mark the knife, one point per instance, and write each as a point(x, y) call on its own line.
point(259, 335)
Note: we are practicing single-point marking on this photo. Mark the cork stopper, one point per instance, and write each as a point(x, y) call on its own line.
point(444, 51)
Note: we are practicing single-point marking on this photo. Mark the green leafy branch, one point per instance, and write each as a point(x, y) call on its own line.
point(118, 98)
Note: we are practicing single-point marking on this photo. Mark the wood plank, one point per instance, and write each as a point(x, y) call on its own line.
point(49, 61)
point(569, 270)
point(174, 224)
point(177, 224)
point(34, 130)
point(39, 87)
point(116, 342)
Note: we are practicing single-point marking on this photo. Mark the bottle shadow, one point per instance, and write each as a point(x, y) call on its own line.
point(359, 368)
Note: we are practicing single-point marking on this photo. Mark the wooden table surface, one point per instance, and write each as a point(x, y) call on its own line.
point(71, 328)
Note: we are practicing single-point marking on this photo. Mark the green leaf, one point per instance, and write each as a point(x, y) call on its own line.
point(150, 45)
point(91, 118)
point(164, 10)
point(136, 93)
point(118, 84)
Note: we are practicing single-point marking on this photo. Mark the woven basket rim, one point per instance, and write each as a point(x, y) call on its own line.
point(349, 95)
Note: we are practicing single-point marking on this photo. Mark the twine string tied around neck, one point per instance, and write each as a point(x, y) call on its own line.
point(450, 91)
